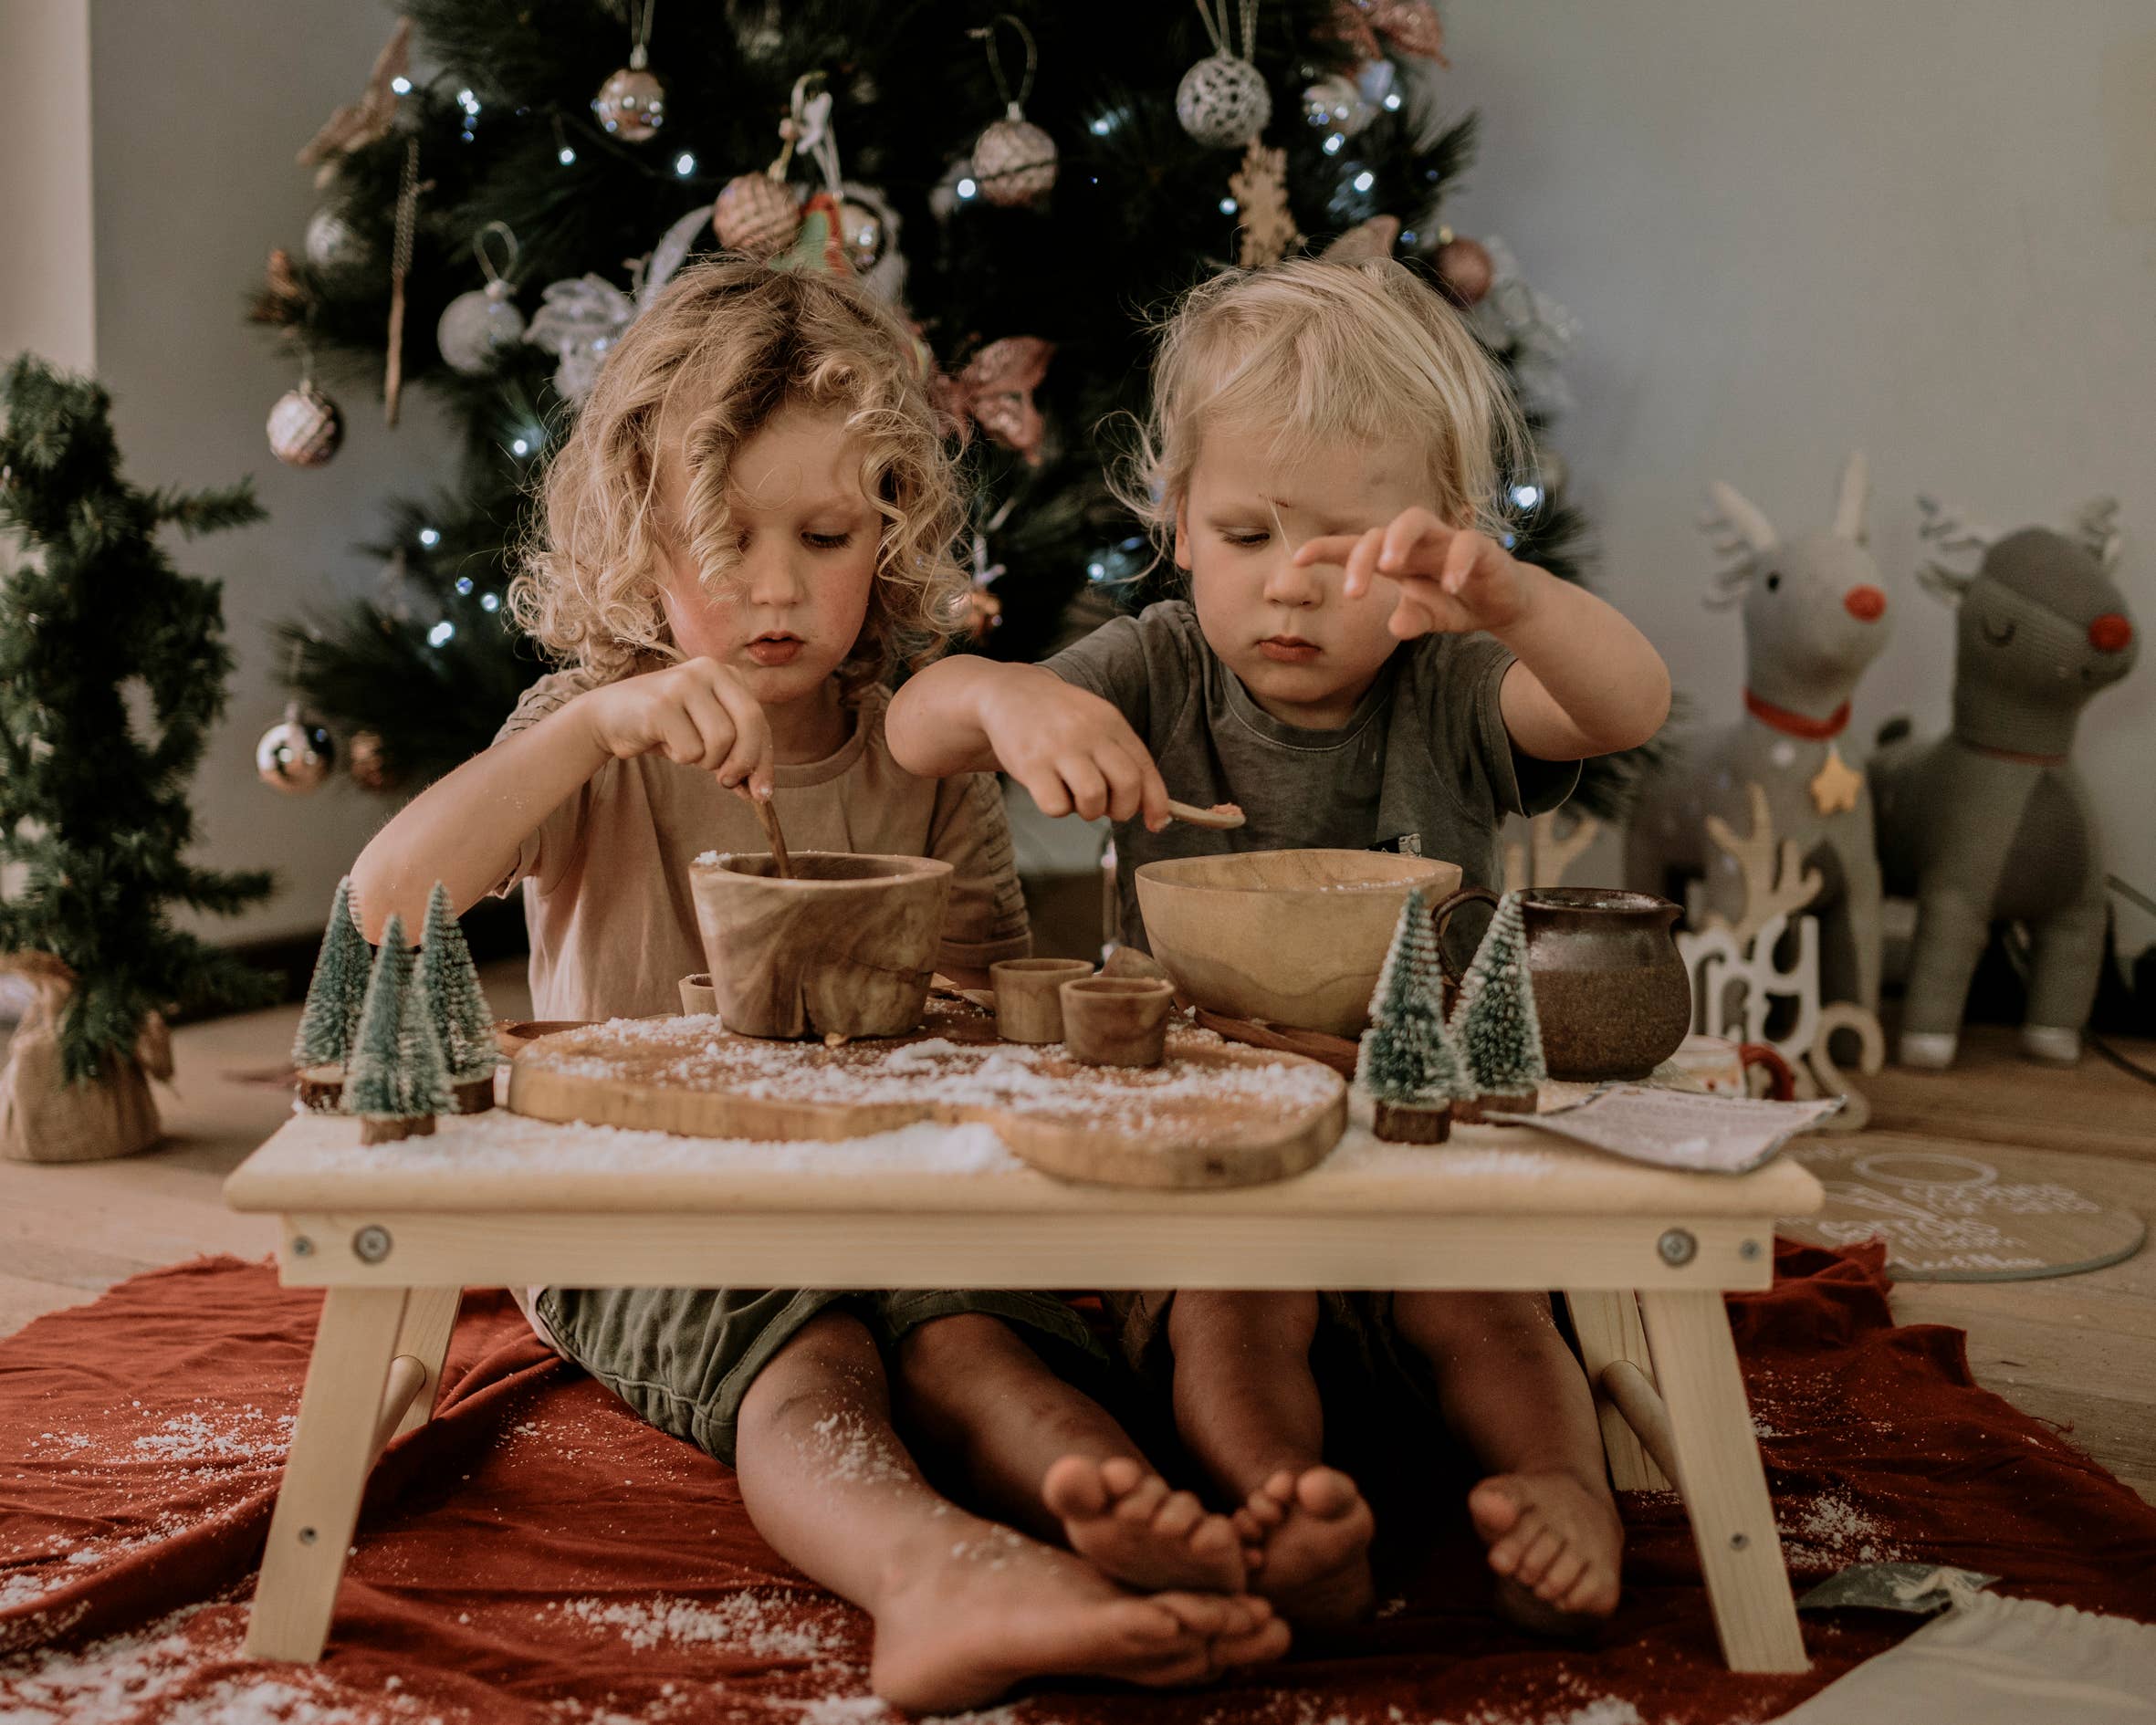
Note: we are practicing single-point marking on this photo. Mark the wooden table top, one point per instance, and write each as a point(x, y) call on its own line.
point(499, 1163)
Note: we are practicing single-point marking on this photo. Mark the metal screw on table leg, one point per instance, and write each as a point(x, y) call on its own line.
point(306, 1536)
point(1749, 1250)
point(370, 1245)
point(1738, 1542)
point(1677, 1247)
point(302, 1247)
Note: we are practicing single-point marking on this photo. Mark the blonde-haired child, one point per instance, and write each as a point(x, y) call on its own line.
point(748, 527)
point(1361, 664)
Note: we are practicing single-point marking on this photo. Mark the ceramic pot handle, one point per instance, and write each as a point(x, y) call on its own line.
point(1442, 917)
point(1781, 1086)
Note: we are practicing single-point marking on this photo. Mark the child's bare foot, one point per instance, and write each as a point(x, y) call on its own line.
point(1555, 1546)
point(1136, 1531)
point(959, 1628)
point(1309, 1535)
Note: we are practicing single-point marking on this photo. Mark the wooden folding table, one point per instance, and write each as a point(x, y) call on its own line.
point(393, 1233)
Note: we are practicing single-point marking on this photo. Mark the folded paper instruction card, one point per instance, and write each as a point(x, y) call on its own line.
point(1682, 1129)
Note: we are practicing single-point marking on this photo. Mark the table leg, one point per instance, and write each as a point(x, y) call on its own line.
point(1607, 1323)
point(1725, 1488)
point(332, 1445)
point(430, 1314)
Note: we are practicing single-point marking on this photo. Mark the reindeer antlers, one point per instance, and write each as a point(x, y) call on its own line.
point(1769, 890)
point(1741, 532)
point(1850, 501)
point(1946, 534)
point(2097, 528)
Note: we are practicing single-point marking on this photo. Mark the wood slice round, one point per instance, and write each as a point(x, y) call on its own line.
point(321, 1088)
point(1211, 1115)
point(1990, 1215)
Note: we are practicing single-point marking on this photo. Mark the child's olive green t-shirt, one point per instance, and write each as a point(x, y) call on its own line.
point(1423, 765)
point(606, 875)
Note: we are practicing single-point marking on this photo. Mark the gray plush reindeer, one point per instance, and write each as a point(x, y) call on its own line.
point(1814, 617)
point(1990, 821)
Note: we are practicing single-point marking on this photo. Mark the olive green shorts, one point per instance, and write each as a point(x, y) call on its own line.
point(683, 1357)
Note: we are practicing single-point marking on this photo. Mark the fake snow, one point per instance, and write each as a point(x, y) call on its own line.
point(758, 1624)
point(1833, 1532)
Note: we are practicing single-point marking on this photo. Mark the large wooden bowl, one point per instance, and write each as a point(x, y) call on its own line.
point(1294, 937)
point(845, 949)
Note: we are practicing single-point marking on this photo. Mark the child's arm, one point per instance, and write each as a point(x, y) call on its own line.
point(1072, 751)
point(465, 829)
point(1588, 682)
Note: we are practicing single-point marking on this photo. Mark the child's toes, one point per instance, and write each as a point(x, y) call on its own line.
point(1213, 1536)
point(1142, 1501)
point(1326, 1493)
point(1075, 1487)
point(1121, 1474)
point(1506, 1554)
point(1562, 1576)
point(1594, 1596)
point(1178, 1516)
point(1263, 1511)
point(1495, 1511)
point(1536, 1560)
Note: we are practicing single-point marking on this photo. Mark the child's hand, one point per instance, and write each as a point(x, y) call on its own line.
point(1452, 581)
point(699, 714)
point(1072, 751)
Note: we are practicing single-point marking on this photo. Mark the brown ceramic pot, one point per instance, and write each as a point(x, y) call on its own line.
point(1610, 989)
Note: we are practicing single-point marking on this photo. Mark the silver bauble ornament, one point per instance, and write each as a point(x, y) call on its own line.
point(1336, 103)
point(632, 104)
point(1013, 160)
point(1223, 100)
point(757, 214)
point(305, 427)
point(295, 754)
point(478, 327)
point(332, 243)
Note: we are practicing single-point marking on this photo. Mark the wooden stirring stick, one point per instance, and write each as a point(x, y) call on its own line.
point(1222, 818)
point(768, 816)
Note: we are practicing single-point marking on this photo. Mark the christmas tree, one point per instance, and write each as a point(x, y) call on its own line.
point(112, 669)
point(1030, 257)
point(398, 1080)
point(1408, 1062)
point(336, 992)
point(464, 1024)
point(1494, 1022)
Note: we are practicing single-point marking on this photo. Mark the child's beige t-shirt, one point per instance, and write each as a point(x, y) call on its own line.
point(606, 875)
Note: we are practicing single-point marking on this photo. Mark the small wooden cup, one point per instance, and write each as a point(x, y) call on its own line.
point(698, 995)
point(1116, 1021)
point(1029, 1005)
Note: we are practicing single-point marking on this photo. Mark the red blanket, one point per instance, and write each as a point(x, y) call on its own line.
point(537, 1555)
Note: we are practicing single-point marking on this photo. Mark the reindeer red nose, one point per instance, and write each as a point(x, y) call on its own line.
point(1866, 604)
point(2111, 634)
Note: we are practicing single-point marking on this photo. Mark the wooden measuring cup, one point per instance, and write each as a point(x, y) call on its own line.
point(1028, 1004)
point(1116, 1021)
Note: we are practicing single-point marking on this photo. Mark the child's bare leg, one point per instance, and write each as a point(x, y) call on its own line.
point(1248, 1408)
point(964, 1608)
point(1514, 1393)
point(1044, 1454)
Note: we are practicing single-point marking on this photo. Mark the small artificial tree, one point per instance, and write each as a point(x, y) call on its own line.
point(112, 672)
point(422, 1069)
point(335, 995)
point(1495, 1022)
point(1408, 1064)
point(377, 1085)
point(464, 1023)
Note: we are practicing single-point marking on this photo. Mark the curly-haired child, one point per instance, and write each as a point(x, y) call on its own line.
point(748, 529)
point(1362, 665)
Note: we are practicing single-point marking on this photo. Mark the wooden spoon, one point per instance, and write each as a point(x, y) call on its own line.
point(1222, 818)
point(768, 817)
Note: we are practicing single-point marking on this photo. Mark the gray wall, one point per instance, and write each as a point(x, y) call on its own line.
point(197, 111)
point(1927, 227)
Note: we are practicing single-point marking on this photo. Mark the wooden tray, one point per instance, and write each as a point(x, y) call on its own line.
point(1211, 1115)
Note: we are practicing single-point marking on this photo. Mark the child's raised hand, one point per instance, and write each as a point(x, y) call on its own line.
point(1452, 580)
point(1072, 751)
point(697, 714)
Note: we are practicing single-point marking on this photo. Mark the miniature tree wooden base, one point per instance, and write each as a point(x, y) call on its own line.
point(388, 1128)
point(1406, 1122)
point(321, 1088)
point(1494, 1101)
point(473, 1095)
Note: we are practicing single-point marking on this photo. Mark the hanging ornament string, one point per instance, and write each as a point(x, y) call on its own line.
point(1220, 27)
point(1014, 105)
point(502, 274)
point(392, 382)
point(640, 19)
point(808, 128)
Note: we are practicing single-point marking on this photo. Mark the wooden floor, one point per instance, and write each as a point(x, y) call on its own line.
point(2078, 1350)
